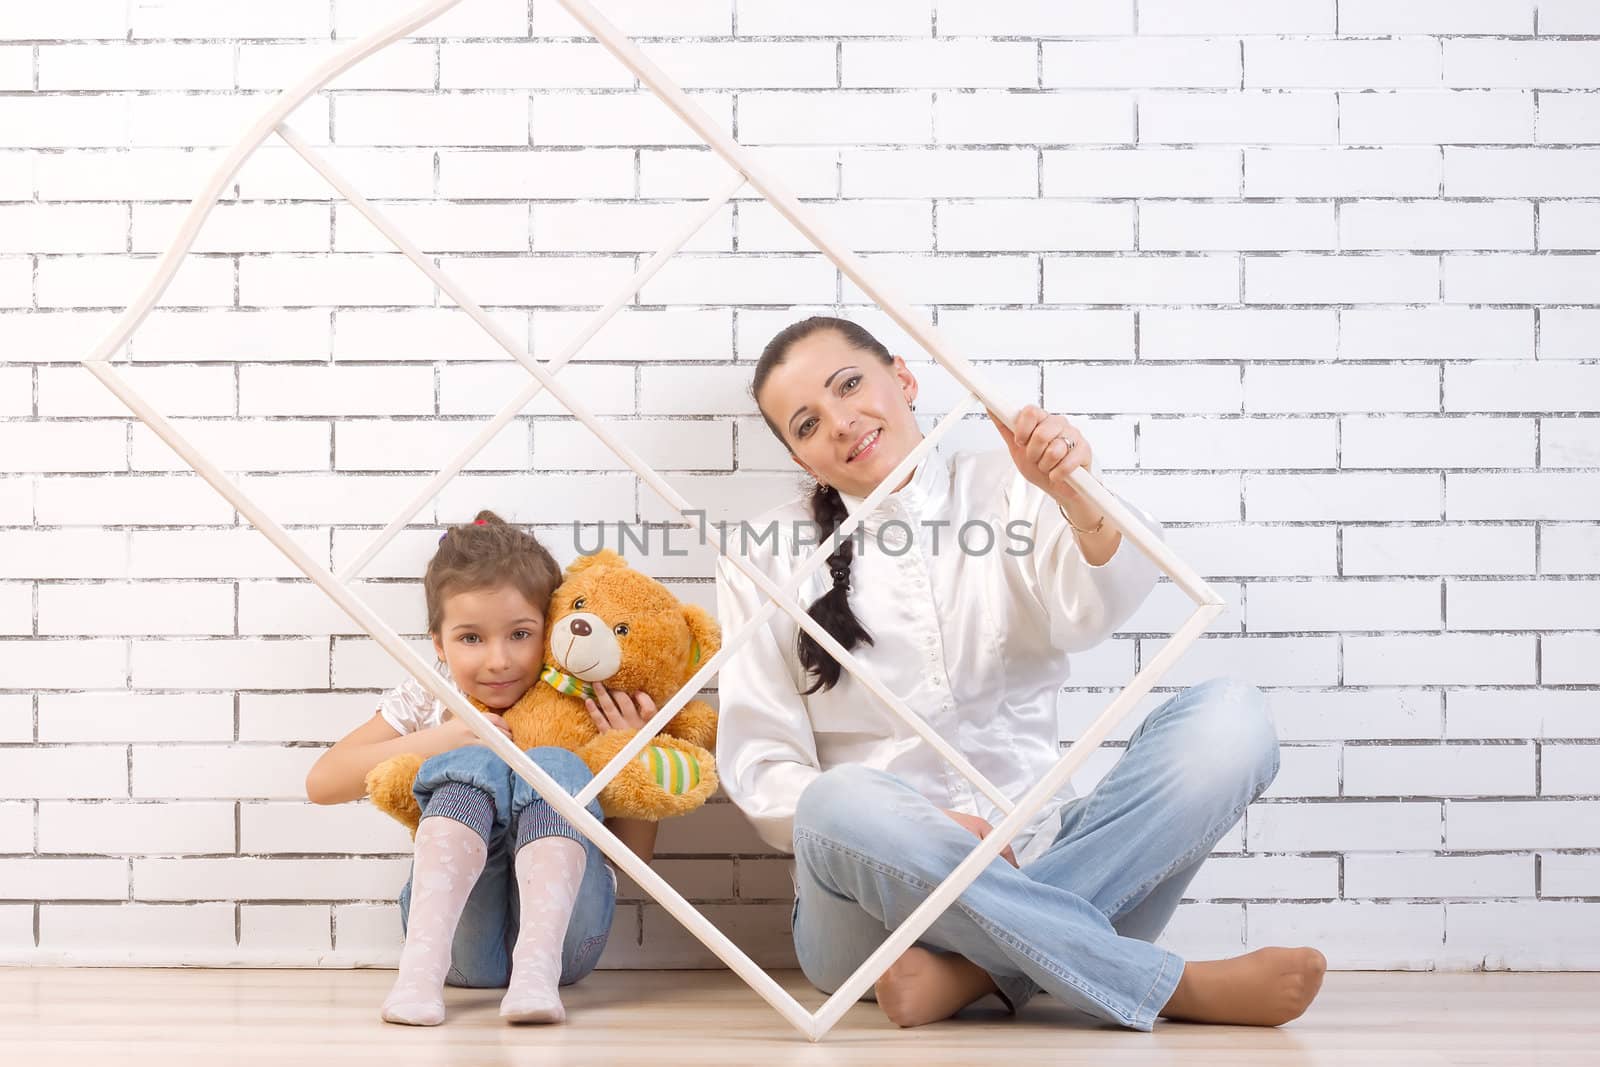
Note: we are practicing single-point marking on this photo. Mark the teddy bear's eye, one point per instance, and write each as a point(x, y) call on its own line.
point(577, 605)
point(620, 629)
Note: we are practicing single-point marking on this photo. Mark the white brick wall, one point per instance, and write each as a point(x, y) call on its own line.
point(1322, 273)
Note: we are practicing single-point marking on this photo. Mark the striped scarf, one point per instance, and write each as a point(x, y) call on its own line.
point(562, 682)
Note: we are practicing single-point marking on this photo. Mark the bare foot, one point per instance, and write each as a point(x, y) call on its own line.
point(923, 987)
point(1267, 987)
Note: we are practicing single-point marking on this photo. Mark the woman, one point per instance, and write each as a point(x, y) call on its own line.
point(968, 588)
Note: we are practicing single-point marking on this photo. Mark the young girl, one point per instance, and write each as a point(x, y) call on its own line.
point(503, 890)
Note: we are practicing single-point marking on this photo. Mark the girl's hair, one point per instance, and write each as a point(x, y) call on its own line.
point(486, 553)
point(831, 609)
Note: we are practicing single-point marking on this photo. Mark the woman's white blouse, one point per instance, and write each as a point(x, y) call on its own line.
point(974, 641)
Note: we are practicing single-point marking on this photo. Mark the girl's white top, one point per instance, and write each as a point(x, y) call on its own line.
point(409, 707)
point(974, 641)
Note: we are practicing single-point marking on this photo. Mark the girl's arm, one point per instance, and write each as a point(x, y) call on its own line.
point(340, 774)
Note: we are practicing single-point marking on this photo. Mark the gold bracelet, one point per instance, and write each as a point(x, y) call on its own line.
point(1078, 529)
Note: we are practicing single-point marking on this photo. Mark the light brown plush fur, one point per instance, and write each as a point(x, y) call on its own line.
point(664, 643)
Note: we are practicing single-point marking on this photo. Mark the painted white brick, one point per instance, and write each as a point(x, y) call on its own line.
point(1570, 659)
point(1526, 935)
point(1242, 118)
point(173, 391)
point(342, 499)
point(694, 173)
point(1195, 227)
point(667, 444)
point(530, 65)
point(1361, 714)
point(1144, 172)
point(39, 878)
point(1141, 279)
point(36, 554)
point(63, 447)
point(133, 829)
point(873, 226)
point(1139, 389)
point(1568, 875)
point(135, 66)
point(127, 716)
point(1213, 444)
point(1349, 497)
point(953, 279)
point(128, 608)
point(1568, 16)
point(16, 390)
point(1138, 63)
point(281, 608)
point(1439, 659)
point(220, 771)
point(1438, 770)
point(526, 498)
point(1521, 171)
point(1236, 16)
point(1366, 826)
point(554, 280)
point(690, 279)
point(1524, 605)
point(1569, 443)
point(268, 927)
point(1034, 225)
point(924, 173)
point(240, 553)
point(119, 174)
point(1231, 333)
point(195, 18)
point(1340, 279)
point(1543, 495)
point(1435, 117)
point(1051, 117)
point(1493, 64)
point(306, 828)
point(251, 878)
point(1568, 118)
point(1522, 387)
point(481, 118)
point(94, 19)
point(360, 663)
point(623, 228)
point(1436, 16)
point(1567, 770)
point(484, 388)
point(1436, 443)
point(1029, 17)
point(1417, 875)
point(1402, 62)
point(1181, 498)
point(474, 18)
point(16, 608)
point(638, 334)
point(830, 18)
point(63, 228)
point(1267, 661)
point(425, 445)
point(968, 64)
point(441, 227)
point(1039, 333)
point(279, 173)
point(133, 500)
point(1305, 606)
point(114, 281)
point(322, 717)
point(372, 930)
point(1571, 224)
point(402, 65)
point(38, 121)
point(625, 119)
point(320, 281)
point(517, 175)
point(748, 64)
point(238, 663)
point(421, 334)
point(1305, 771)
point(1521, 824)
point(1530, 713)
point(232, 335)
point(1354, 934)
point(78, 772)
point(1569, 549)
point(1521, 279)
point(16, 500)
point(237, 446)
point(1436, 225)
point(336, 390)
point(1568, 333)
point(1436, 333)
point(1253, 877)
point(16, 67)
point(16, 827)
point(1341, 388)
point(1346, 172)
point(181, 120)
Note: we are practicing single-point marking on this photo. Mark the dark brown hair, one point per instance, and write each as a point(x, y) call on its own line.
point(831, 609)
point(485, 553)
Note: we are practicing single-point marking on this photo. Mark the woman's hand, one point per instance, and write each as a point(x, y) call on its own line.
point(1047, 449)
point(455, 732)
point(982, 829)
point(615, 710)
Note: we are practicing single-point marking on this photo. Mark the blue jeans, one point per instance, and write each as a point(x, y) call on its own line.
point(480, 955)
point(1079, 921)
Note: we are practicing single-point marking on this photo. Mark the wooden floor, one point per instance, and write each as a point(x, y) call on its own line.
point(63, 1018)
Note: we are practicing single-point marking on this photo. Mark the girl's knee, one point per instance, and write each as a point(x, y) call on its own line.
point(845, 802)
point(1232, 726)
point(472, 765)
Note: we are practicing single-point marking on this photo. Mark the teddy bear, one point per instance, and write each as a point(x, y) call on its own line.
point(606, 623)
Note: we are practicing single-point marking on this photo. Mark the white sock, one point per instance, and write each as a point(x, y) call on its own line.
point(549, 872)
point(449, 858)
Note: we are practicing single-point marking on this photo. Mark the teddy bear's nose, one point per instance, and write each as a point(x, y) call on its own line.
point(580, 627)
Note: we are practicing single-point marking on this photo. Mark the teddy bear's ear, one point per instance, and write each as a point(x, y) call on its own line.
point(603, 558)
point(706, 632)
